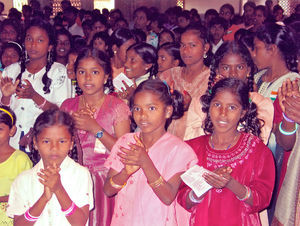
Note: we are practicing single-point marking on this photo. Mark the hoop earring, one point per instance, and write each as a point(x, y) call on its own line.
point(204, 55)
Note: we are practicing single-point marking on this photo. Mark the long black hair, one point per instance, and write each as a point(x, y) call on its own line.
point(47, 27)
point(169, 97)
point(250, 123)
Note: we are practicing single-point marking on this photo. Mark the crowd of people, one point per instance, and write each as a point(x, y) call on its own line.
point(101, 116)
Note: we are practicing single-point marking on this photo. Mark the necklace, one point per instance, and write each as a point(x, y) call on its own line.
point(93, 108)
point(232, 142)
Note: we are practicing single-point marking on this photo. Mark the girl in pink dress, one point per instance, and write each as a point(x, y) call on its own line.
point(243, 166)
point(100, 120)
point(145, 167)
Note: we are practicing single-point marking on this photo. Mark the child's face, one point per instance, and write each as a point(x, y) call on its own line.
point(262, 57)
point(90, 76)
point(233, 66)
point(165, 61)
point(121, 51)
point(225, 13)
point(8, 34)
point(217, 32)
point(98, 26)
point(37, 43)
point(140, 20)
point(63, 46)
point(9, 56)
point(150, 113)
point(53, 144)
point(135, 66)
point(164, 38)
point(225, 112)
point(6, 133)
point(100, 45)
point(191, 48)
point(259, 17)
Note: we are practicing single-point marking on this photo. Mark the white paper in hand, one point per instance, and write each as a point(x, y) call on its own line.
point(118, 84)
point(193, 178)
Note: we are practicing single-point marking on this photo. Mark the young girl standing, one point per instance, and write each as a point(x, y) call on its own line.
point(145, 167)
point(49, 194)
point(12, 162)
point(37, 83)
point(100, 119)
point(191, 79)
point(243, 164)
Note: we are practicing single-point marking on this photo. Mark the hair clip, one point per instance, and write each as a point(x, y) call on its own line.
point(209, 91)
point(169, 91)
point(250, 101)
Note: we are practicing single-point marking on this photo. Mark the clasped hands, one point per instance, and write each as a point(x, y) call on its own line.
point(219, 178)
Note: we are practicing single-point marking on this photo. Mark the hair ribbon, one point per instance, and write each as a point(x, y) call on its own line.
point(7, 112)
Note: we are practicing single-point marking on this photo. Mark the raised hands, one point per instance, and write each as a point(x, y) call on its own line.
point(289, 99)
point(134, 158)
point(219, 178)
point(128, 91)
point(8, 87)
point(50, 178)
point(84, 120)
point(26, 90)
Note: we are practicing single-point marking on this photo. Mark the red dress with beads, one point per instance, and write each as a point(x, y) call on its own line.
point(252, 165)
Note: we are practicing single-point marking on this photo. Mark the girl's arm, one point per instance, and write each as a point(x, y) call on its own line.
point(36, 210)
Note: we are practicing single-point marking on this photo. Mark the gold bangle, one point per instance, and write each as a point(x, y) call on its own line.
point(157, 183)
point(116, 186)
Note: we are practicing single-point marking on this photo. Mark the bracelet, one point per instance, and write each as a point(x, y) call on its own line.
point(157, 183)
point(286, 118)
point(247, 195)
point(288, 133)
point(41, 105)
point(70, 210)
point(116, 186)
point(29, 217)
point(193, 199)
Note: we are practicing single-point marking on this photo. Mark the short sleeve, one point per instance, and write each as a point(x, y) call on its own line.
point(23, 162)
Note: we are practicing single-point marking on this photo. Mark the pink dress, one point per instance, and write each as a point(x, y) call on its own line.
point(136, 204)
point(183, 126)
point(112, 111)
point(252, 164)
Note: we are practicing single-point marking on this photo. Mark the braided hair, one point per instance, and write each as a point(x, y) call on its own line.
point(239, 49)
point(47, 27)
point(249, 122)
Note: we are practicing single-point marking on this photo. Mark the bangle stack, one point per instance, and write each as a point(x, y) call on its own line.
point(286, 132)
point(29, 217)
point(247, 195)
point(193, 199)
point(68, 212)
point(157, 183)
point(116, 186)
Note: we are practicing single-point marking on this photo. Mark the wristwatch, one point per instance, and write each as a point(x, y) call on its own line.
point(99, 134)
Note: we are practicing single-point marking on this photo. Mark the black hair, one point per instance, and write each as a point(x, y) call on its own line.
point(101, 58)
point(250, 4)
point(147, 52)
point(100, 18)
point(47, 119)
point(47, 27)
point(284, 39)
point(139, 35)
point(186, 14)
point(143, 9)
point(12, 23)
point(119, 37)
point(172, 48)
point(218, 21)
point(103, 35)
point(250, 123)
point(169, 97)
point(277, 8)
point(228, 6)
point(171, 33)
point(7, 119)
point(11, 45)
point(232, 48)
point(64, 32)
point(211, 12)
point(246, 37)
point(263, 9)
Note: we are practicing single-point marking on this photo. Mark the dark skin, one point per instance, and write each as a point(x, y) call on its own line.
point(289, 101)
point(50, 178)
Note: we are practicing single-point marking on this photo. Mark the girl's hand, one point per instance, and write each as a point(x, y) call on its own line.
point(186, 100)
point(134, 158)
point(219, 178)
point(26, 91)
point(84, 120)
point(47, 193)
point(50, 177)
point(128, 91)
point(7, 86)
